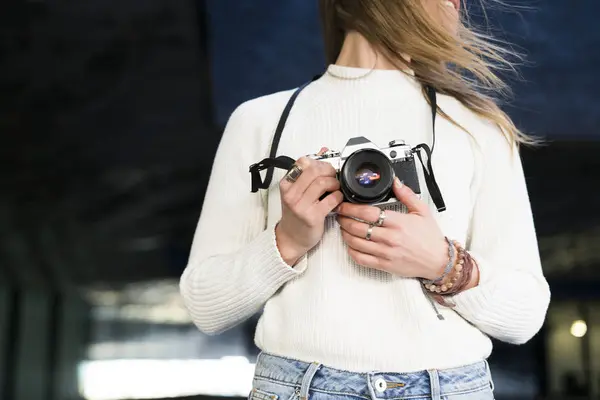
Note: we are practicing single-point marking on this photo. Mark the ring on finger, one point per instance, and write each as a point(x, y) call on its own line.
point(369, 233)
point(381, 218)
point(294, 173)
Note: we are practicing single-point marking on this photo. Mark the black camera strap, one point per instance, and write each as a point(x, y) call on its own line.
point(432, 186)
point(284, 162)
point(273, 161)
point(281, 162)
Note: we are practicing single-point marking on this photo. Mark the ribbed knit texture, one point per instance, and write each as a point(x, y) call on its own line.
point(328, 309)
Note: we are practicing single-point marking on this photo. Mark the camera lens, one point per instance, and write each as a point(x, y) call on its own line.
point(366, 176)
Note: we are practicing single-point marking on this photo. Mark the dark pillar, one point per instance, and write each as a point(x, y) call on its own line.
point(6, 311)
point(31, 378)
point(43, 339)
point(73, 321)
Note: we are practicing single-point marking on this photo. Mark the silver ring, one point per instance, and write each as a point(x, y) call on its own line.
point(381, 219)
point(294, 173)
point(369, 233)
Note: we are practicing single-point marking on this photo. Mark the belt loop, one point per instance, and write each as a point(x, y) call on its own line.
point(370, 385)
point(308, 377)
point(434, 381)
point(489, 374)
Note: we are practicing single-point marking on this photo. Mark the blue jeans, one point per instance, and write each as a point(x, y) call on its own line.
point(278, 378)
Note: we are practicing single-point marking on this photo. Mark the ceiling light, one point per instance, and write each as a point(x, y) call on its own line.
point(579, 328)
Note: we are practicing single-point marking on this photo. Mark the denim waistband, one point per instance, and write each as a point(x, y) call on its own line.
point(380, 385)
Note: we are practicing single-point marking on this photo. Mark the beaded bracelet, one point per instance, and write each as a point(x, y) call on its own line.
point(444, 298)
point(457, 278)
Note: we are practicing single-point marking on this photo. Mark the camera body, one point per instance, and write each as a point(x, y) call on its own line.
point(366, 172)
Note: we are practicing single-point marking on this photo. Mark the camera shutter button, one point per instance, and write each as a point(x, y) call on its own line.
point(397, 143)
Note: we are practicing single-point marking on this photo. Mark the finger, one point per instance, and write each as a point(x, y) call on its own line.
point(322, 151)
point(304, 163)
point(360, 229)
point(326, 169)
point(318, 188)
point(365, 246)
point(366, 260)
point(311, 169)
point(314, 170)
point(407, 197)
point(329, 203)
point(319, 153)
point(368, 214)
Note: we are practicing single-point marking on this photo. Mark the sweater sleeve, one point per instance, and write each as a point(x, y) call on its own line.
point(234, 265)
point(512, 298)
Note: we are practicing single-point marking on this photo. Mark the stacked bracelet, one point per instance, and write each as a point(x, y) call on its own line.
point(457, 277)
point(449, 265)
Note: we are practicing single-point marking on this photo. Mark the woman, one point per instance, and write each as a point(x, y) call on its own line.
point(369, 303)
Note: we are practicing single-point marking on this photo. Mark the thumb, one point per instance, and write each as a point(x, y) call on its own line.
point(409, 198)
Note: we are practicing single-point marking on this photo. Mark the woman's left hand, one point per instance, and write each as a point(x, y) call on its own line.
point(409, 245)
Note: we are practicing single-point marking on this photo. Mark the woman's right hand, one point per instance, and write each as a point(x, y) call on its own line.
point(303, 215)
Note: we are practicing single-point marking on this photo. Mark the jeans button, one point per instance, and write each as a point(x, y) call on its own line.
point(380, 385)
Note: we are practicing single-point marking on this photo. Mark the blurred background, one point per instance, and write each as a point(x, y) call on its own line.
point(110, 114)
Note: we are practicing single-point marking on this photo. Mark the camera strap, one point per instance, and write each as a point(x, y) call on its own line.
point(284, 162)
point(273, 161)
point(432, 186)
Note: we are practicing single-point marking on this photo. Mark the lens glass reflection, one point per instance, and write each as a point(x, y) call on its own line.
point(368, 175)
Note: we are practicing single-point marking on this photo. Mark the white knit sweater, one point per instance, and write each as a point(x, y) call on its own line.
point(329, 309)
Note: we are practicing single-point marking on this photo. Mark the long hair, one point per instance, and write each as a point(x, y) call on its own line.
point(461, 65)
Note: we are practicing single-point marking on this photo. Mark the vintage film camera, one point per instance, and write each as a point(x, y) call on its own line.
point(366, 172)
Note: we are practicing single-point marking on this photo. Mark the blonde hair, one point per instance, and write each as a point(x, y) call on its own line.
point(400, 28)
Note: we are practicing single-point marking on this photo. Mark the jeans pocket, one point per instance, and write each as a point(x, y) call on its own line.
point(257, 394)
point(270, 390)
point(485, 393)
